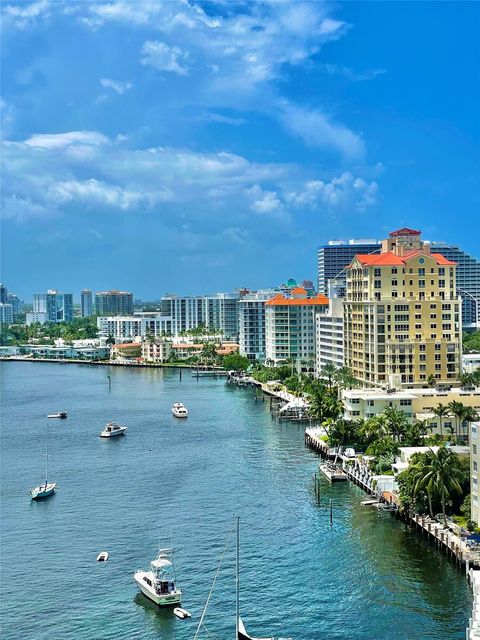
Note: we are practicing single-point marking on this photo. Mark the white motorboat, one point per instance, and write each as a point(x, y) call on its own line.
point(113, 429)
point(48, 488)
point(61, 414)
point(159, 584)
point(179, 410)
point(102, 556)
point(182, 613)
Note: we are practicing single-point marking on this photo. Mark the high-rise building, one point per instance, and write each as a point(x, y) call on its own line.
point(402, 315)
point(474, 471)
point(251, 323)
point(335, 256)
point(329, 339)
point(290, 328)
point(51, 307)
point(3, 293)
point(86, 303)
point(16, 303)
point(114, 303)
point(129, 327)
point(6, 313)
point(220, 312)
point(468, 281)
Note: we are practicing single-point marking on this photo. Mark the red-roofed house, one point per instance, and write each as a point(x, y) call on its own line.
point(402, 315)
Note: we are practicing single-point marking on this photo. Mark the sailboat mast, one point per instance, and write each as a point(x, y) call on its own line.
point(46, 455)
point(237, 574)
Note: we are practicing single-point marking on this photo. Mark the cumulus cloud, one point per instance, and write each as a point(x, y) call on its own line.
point(339, 194)
point(164, 58)
point(117, 85)
point(68, 172)
point(25, 15)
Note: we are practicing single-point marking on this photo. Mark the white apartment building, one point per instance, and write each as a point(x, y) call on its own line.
point(470, 362)
point(129, 327)
point(474, 470)
point(251, 323)
point(329, 339)
point(156, 350)
point(418, 404)
point(290, 328)
point(219, 311)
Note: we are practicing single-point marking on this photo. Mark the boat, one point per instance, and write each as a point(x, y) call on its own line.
point(241, 633)
point(179, 410)
point(182, 613)
point(102, 556)
point(48, 488)
point(61, 414)
point(333, 472)
point(159, 584)
point(113, 429)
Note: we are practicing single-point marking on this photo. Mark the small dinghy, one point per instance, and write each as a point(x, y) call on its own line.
point(102, 556)
point(182, 613)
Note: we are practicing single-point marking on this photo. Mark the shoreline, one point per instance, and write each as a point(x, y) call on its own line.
point(108, 363)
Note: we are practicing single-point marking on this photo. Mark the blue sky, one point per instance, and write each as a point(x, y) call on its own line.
point(197, 147)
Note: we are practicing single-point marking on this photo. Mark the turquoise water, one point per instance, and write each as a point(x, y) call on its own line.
point(364, 578)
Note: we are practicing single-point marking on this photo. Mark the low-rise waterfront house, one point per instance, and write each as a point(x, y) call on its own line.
point(186, 350)
point(405, 454)
point(470, 362)
point(7, 351)
point(156, 349)
point(126, 351)
point(67, 352)
point(290, 328)
point(417, 404)
point(474, 471)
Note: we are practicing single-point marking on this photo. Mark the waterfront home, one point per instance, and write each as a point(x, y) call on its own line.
point(66, 352)
point(403, 460)
point(126, 351)
point(156, 349)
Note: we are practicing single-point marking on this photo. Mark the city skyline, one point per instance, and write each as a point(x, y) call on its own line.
point(223, 133)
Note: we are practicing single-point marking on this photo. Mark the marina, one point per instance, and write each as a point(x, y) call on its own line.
point(125, 496)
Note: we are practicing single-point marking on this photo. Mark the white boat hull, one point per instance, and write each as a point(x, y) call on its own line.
point(160, 599)
point(44, 491)
point(113, 434)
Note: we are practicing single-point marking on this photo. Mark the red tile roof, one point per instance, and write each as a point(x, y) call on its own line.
point(405, 232)
point(280, 300)
point(389, 259)
point(299, 290)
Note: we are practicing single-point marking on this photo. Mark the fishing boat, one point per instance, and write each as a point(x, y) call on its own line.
point(61, 414)
point(48, 488)
point(241, 633)
point(113, 429)
point(159, 584)
point(179, 410)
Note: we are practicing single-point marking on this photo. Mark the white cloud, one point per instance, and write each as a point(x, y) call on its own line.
point(349, 74)
point(62, 174)
point(339, 194)
point(221, 119)
point(317, 130)
point(164, 58)
point(25, 14)
point(59, 140)
point(117, 85)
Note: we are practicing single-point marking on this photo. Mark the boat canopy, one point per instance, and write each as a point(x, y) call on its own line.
point(161, 563)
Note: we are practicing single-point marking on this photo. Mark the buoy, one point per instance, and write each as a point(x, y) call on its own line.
point(182, 613)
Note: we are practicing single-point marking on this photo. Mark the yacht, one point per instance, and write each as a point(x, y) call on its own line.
point(159, 584)
point(179, 411)
point(113, 429)
point(48, 488)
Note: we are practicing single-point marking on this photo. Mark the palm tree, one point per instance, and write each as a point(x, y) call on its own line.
point(457, 409)
point(328, 372)
point(396, 421)
point(441, 411)
point(439, 474)
point(344, 377)
point(431, 381)
point(110, 340)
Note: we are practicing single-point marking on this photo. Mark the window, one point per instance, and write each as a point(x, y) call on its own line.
point(421, 284)
point(377, 272)
point(421, 272)
point(438, 347)
point(441, 271)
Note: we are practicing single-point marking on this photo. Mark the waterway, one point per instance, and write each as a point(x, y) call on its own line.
point(365, 577)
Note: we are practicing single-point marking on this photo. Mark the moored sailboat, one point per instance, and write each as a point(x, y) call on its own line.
point(48, 488)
